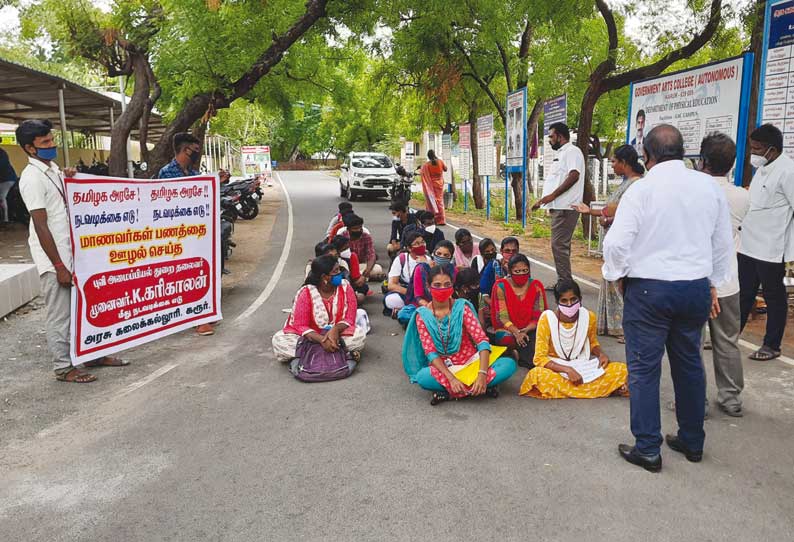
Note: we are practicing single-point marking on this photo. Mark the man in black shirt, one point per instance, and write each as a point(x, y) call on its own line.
point(401, 217)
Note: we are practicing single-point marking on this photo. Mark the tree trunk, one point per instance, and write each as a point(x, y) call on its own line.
point(532, 130)
point(476, 187)
point(756, 46)
point(122, 127)
point(517, 187)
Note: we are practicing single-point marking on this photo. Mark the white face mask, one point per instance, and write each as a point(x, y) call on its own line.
point(345, 253)
point(758, 161)
point(431, 229)
point(395, 218)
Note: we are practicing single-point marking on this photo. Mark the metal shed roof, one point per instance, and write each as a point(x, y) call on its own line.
point(26, 93)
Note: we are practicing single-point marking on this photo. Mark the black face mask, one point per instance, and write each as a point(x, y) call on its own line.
point(195, 158)
point(489, 257)
point(356, 234)
point(556, 146)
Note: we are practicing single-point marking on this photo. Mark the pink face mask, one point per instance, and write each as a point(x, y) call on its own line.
point(570, 310)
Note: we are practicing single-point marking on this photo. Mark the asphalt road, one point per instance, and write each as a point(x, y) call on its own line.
point(219, 442)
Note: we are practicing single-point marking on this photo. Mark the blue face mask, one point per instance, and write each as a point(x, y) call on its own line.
point(47, 153)
point(442, 261)
point(337, 279)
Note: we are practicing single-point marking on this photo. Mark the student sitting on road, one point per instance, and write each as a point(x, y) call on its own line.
point(567, 337)
point(497, 269)
point(517, 302)
point(325, 249)
point(324, 311)
point(426, 225)
point(487, 254)
point(446, 335)
point(344, 208)
point(362, 244)
point(465, 251)
point(418, 290)
point(402, 216)
point(467, 286)
point(349, 261)
point(402, 270)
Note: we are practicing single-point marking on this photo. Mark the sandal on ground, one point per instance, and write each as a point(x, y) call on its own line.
point(622, 391)
point(75, 376)
point(107, 361)
point(765, 353)
point(439, 397)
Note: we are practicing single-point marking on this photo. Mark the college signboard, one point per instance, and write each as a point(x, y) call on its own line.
point(256, 161)
point(146, 260)
point(464, 143)
point(776, 91)
point(698, 101)
point(516, 129)
point(554, 110)
point(485, 152)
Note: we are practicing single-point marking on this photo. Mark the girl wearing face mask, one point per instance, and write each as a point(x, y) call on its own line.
point(487, 253)
point(349, 262)
point(566, 338)
point(402, 270)
point(516, 305)
point(324, 312)
point(445, 335)
point(418, 291)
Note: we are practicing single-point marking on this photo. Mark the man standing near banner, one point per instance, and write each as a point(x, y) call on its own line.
point(187, 155)
point(42, 188)
point(567, 189)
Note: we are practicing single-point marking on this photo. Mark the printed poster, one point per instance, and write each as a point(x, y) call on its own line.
point(147, 260)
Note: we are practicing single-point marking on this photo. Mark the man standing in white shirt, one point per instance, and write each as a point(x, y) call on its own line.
point(671, 247)
point(768, 236)
point(568, 183)
point(717, 156)
point(42, 189)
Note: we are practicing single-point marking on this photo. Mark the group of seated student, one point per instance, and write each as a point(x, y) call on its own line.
point(458, 302)
point(455, 301)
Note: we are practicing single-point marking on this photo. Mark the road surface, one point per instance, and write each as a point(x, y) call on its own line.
point(217, 441)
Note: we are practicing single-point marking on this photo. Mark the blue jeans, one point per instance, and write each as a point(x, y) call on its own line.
point(503, 367)
point(657, 315)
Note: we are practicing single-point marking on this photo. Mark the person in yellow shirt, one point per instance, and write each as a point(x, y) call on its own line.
point(566, 343)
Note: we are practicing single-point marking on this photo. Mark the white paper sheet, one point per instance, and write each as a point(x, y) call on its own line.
point(588, 369)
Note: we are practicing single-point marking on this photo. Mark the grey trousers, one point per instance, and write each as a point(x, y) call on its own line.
point(59, 315)
point(728, 372)
point(563, 224)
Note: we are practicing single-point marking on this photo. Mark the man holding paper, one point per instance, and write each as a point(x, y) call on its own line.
point(568, 359)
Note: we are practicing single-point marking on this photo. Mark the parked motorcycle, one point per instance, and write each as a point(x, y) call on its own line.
point(401, 188)
point(226, 243)
point(249, 194)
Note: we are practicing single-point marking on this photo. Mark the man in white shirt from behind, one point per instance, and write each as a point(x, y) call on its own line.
point(717, 156)
point(568, 189)
point(671, 247)
point(767, 237)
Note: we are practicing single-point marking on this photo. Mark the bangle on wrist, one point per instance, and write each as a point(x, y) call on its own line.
point(483, 372)
point(59, 264)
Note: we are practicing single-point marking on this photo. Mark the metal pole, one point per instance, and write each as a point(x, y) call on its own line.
point(122, 85)
point(465, 194)
point(507, 194)
point(62, 113)
point(487, 196)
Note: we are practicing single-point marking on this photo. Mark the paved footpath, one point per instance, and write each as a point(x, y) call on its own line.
point(218, 442)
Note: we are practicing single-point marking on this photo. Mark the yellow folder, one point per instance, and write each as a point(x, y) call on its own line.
point(468, 373)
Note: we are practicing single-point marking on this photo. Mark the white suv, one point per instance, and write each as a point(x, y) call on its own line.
point(366, 173)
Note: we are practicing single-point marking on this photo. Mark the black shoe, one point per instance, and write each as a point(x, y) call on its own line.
point(675, 444)
point(734, 411)
point(651, 463)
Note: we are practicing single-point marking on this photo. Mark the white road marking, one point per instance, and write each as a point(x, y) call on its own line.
point(745, 344)
point(271, 285)
point(147, 379)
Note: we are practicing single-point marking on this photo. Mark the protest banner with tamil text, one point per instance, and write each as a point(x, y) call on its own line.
point(146, 260)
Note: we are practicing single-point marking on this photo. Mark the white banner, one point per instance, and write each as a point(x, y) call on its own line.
point(446, 156)
point(697, 101)
point(256, 161)
point(485, 151)
point(147, 260)
point(516, 124)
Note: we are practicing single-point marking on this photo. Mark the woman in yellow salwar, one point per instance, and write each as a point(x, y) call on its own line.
point(568, 359)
